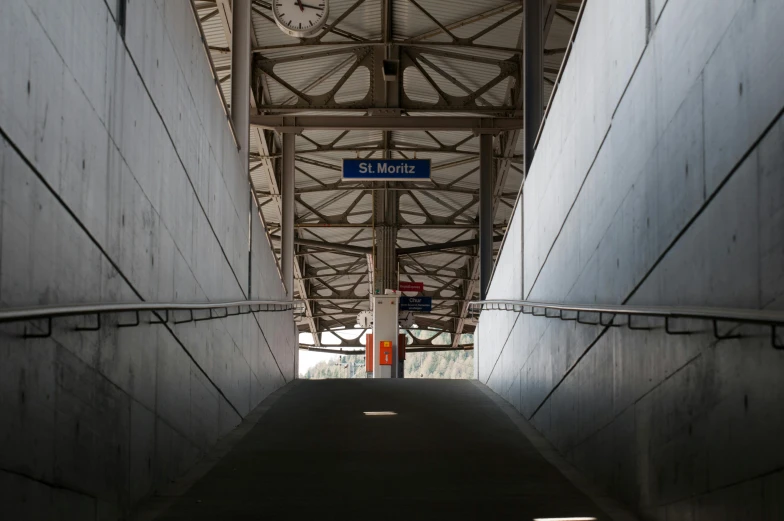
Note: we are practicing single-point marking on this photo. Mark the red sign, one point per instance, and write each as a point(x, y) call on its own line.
point(412, 286)
point(385, 352)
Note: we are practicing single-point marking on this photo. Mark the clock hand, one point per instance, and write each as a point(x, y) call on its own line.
point(299, 3)
point(311, 6)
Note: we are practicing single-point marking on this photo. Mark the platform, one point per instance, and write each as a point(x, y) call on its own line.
point(448, 452)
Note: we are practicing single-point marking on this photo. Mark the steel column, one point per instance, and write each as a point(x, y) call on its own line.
point(386, 268)
point(240, 103)
point(533, 81)
point(240, 74)
point(287, 217)
point(485, 212)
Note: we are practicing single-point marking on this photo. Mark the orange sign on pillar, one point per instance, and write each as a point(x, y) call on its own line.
point(385, 352)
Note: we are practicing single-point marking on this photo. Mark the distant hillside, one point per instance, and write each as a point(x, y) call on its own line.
point(446, 364)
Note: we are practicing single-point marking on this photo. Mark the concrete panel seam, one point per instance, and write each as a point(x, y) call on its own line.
point(46, 483)
point(87, 97)
point(511, 329)
point(111, 138)
point(269, 347)
point(601, 145)
point(201, 369)
point(242, 354)
point(117, 388)
point(105, 254)
point(656, 21)
point(182, 164)
point(68, 210)
point(638, 400)
point(727, 486)
point(617, 511)
point(629, 81)
point(569, 371)
point(196, 196)
point(94, 240)
point(154, 506)
point(706, 203)
point(158, 417)
point(571, 207)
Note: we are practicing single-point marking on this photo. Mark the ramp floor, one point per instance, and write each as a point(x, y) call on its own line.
point(448, 452)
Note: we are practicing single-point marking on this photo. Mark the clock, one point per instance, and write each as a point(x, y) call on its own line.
point(300, 18)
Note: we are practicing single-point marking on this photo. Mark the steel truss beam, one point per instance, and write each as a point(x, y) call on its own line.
point(273, 227)
point(361, 53)
point(465, 21)
point(411, 57)
point(415, 52)
point(444, 246)
point(456, 274)
point(400, 251)
point(298, 124)
point(393, 147)
point(400, 187)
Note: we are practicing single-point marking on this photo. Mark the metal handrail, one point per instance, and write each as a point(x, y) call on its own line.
point(759, 317)
point(23, 314)
point(39, 312)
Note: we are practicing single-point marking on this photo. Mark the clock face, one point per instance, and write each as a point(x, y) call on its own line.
point(300, 17)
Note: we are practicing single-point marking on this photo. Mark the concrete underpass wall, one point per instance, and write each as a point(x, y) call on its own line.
point(120, 182)
point(659, 180)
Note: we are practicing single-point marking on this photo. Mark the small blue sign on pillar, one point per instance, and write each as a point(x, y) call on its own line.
point(386, 169)
point(416, 304)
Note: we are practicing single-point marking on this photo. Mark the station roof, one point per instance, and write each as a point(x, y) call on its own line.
point(457, 58)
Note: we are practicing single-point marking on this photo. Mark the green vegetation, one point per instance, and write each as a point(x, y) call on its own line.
point(440, 364)
point(444, 364)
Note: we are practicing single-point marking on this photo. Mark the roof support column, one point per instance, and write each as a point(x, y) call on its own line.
point(287, 214)
point(240, 104)
point(386, 242)
point(386, 94)
point(485, 212)
point(533, 81)
point(240, 74)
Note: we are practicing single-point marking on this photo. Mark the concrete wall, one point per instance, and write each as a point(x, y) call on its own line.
point(659, 180)
point(120, 181)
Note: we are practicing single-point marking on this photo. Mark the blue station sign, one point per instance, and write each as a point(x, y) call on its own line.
point(417, 304)
point(386, 169)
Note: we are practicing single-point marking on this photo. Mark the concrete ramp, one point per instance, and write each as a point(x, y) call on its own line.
point(449, 451)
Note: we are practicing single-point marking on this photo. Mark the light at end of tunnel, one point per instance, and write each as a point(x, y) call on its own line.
point(565, 519)
point(380, 413)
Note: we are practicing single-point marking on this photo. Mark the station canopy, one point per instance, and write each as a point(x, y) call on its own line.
point(394, 59)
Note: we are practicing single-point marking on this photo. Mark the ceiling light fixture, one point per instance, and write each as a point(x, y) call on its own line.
point(380, 413)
